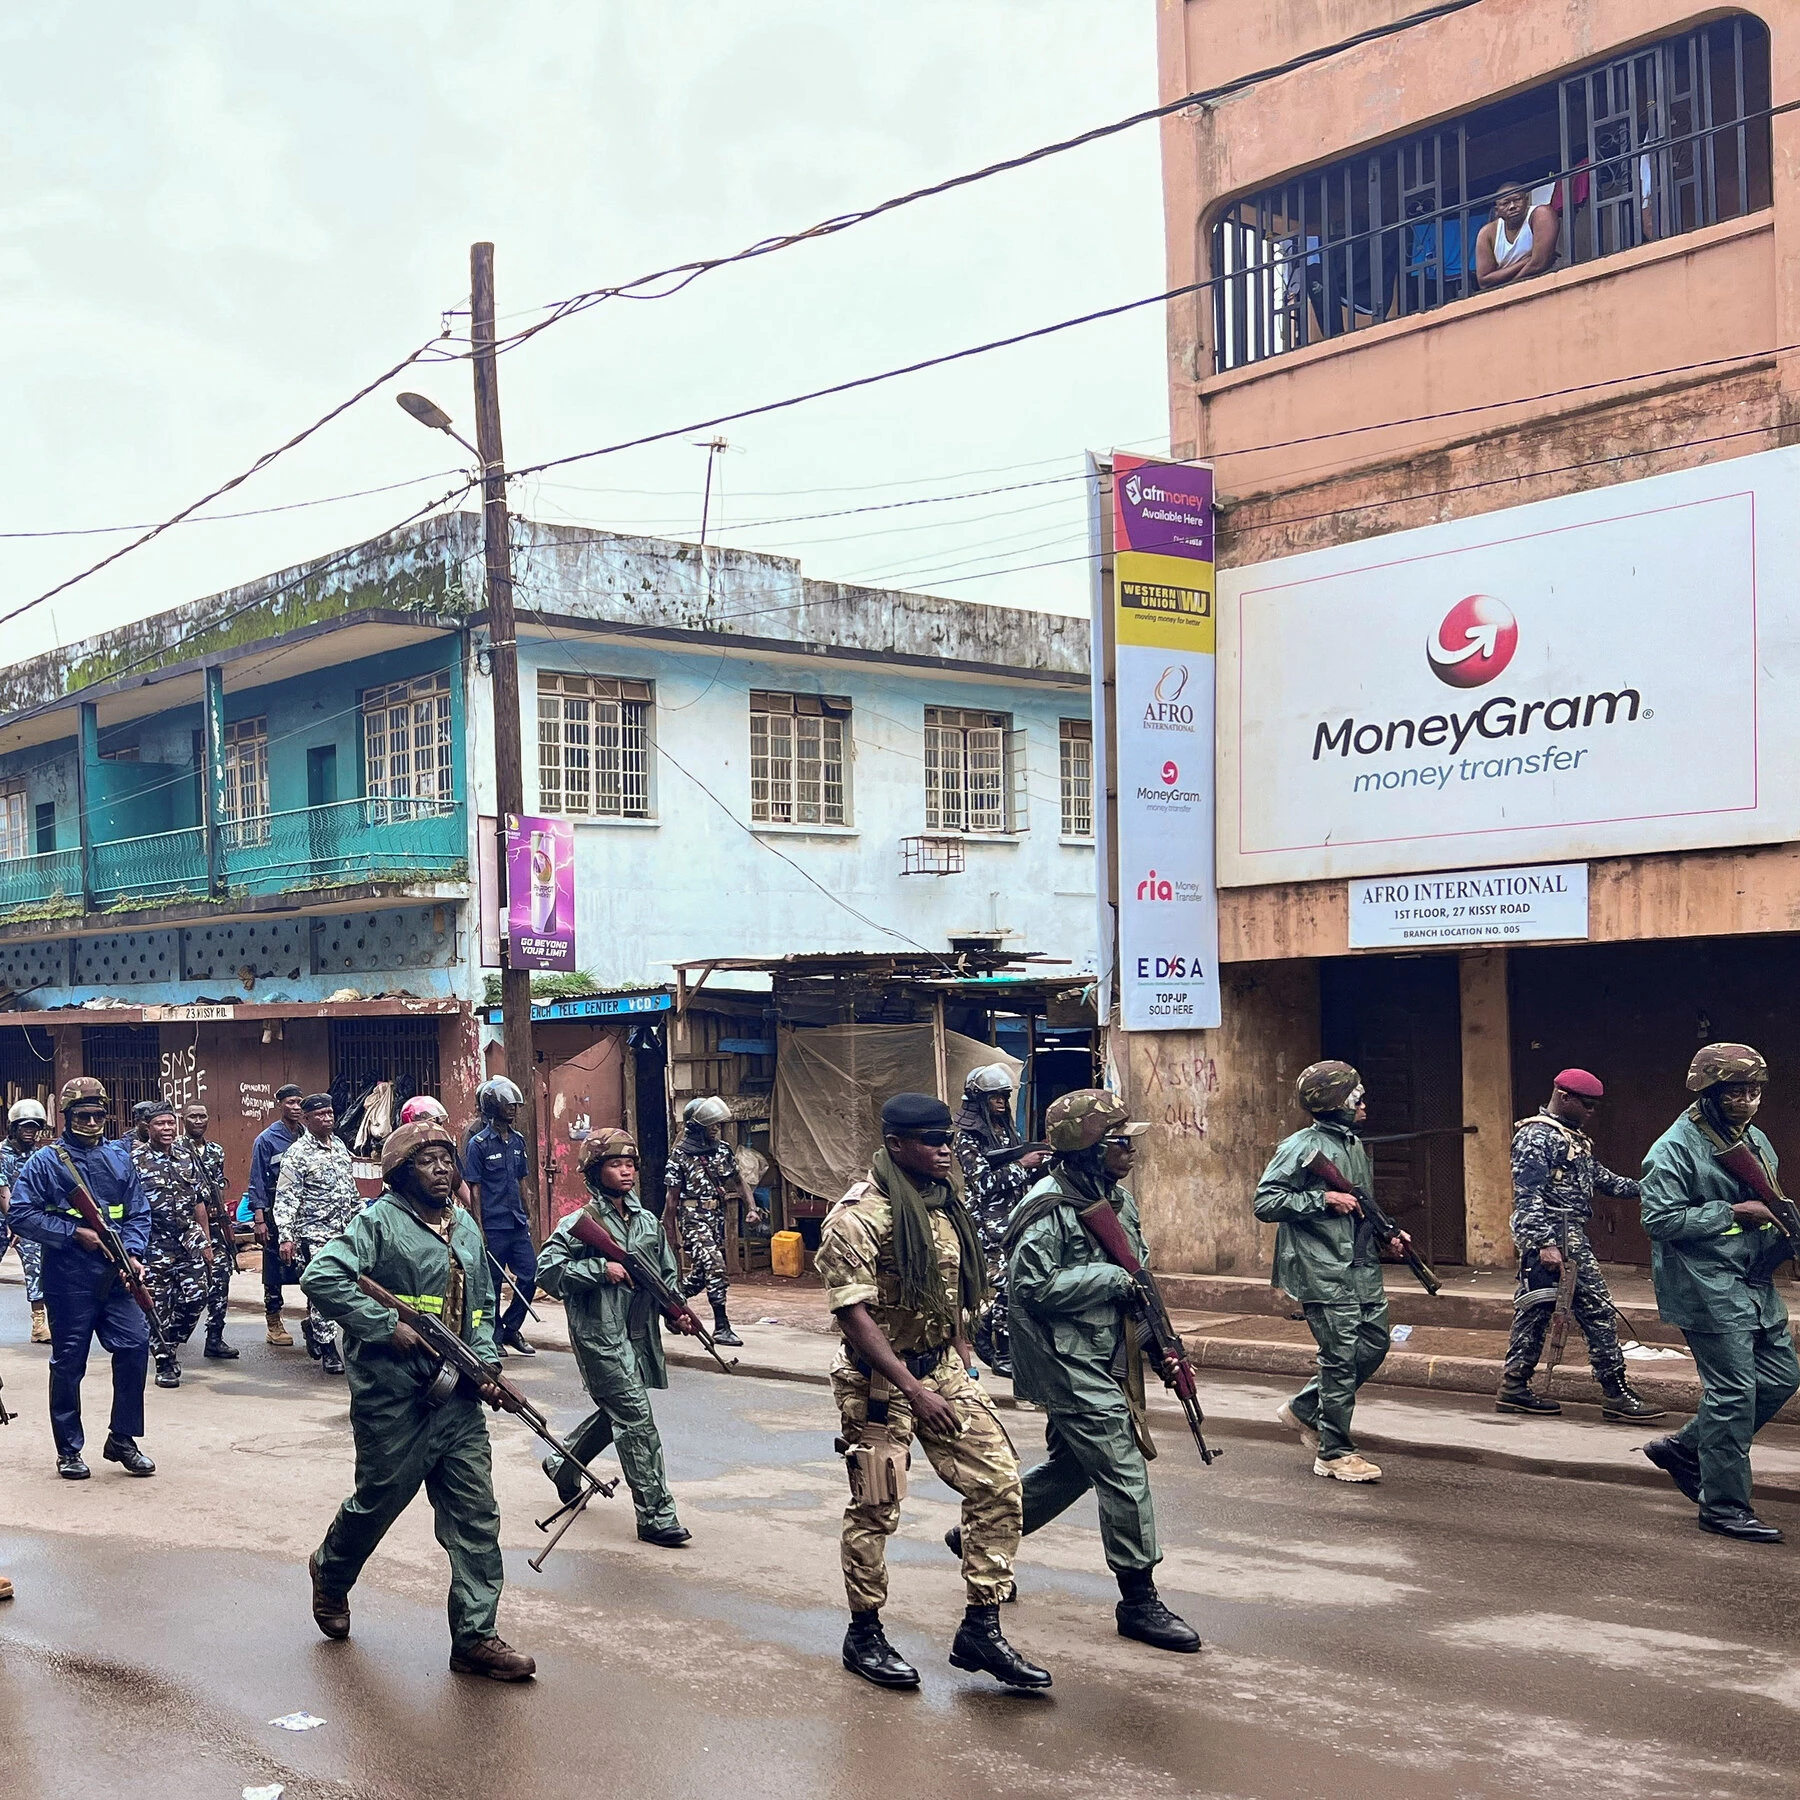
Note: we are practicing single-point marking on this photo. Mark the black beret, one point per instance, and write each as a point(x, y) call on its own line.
point(146, 1110)
point(289, 1090)
point(318, 1103)
point(915, 1112)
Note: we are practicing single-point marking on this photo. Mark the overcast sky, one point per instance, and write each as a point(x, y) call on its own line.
point(219, 220)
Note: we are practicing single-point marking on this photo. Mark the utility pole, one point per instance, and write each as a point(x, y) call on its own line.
point(714, 448)
point(509, 764)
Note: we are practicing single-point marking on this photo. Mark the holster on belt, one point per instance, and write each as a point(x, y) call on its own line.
point(877, 1463)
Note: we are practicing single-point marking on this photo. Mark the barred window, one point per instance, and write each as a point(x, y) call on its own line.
point(797, 758)
point(967, 765)
point(406, 740)
point(1077, 777)
point(594, 746)
point(13, 838)
point(246, 795)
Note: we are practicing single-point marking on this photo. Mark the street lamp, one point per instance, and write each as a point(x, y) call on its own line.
point(430, 414)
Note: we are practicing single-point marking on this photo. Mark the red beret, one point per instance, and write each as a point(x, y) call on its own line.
point(1579, 1081)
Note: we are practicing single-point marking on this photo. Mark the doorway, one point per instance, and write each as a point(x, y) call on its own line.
point(1399, 1020)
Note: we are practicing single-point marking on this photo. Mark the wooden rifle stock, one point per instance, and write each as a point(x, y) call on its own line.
point(589, 1231)
point(1322, 1168)
point(1102, 1224)
point(112, 1247)
point(1746, 1166)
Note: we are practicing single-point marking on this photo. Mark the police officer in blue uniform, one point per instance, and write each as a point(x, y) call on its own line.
point(83, 1297)
point(494, 1164)
point(273, 1143)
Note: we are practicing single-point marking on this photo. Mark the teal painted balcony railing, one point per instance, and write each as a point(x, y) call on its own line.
point(42, 886)
point(350, 841)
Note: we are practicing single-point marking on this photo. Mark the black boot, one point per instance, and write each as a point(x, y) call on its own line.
point(216, 1345)
point(1677, 1462)
point(329, 1359)
point(980, 1646)
point(315, 1342)
point(722, 1332)
point(168, 1372)
point(1740, 1523)
point(1516, 1395)
point(127, 1455)
point(1622, 1404)
point(868, 1653)
point(1142, 1615)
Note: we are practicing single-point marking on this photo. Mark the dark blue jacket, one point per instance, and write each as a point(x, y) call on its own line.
point(494, 1163)
point(265, 1161)
point(43, 1211)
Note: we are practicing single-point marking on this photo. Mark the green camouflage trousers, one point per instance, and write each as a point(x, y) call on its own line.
point(980, 1464)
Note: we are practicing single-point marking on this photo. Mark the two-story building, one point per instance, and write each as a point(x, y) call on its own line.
point(1494, 351)
point(251, 840)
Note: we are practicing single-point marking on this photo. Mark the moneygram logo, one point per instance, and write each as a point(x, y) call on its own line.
point(1474, 643)
point(1166, 710)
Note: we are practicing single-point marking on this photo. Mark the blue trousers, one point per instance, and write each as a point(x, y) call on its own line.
point(509, 1244)
point(84, 1301)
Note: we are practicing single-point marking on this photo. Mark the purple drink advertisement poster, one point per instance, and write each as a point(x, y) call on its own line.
point(540, 892)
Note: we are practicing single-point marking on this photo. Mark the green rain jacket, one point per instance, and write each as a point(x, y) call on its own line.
point(390, 1242)
point(1699, 1251)
point(1322, 1257)
point(1066, 1303)
point(608, 1322)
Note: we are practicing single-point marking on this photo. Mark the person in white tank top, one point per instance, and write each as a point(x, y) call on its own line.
point(1519, 241)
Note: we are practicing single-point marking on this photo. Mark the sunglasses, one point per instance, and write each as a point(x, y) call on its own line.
point(936, 1139)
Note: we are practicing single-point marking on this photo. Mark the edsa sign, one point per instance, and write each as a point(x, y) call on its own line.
point(1596, 675)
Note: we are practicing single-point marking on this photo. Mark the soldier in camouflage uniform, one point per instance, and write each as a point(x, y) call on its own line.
point(315, 1199)
point(997, 1172)
point(27, 1126)
point(700, 1179)
point(208, 1161)
point(902, 1268)
point(175, 1265)
point(1555, 1178)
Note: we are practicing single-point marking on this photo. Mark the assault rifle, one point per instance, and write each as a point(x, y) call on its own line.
point(113, 1249)
point(1102, 1225)
point(1743, 1163)
point(642, 1276)
point(1008, 1154)
point(1322, 1168)
point(457, 1364)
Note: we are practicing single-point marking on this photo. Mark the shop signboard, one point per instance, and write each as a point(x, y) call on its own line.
point(1163, 635)
point(1601, 674)
point(540, 892)
point(1469, 906)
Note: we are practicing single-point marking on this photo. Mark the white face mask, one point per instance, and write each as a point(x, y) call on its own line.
point(1355, 1100)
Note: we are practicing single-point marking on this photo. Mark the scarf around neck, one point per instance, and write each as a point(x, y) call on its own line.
point(915, 1248)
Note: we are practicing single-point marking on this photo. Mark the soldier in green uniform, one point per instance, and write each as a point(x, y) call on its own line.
point(1708, 1233)
point(903, 1274)
point(1076, 1354)
point(1327, 1258)
point(429, 1253)
point(613, 1330)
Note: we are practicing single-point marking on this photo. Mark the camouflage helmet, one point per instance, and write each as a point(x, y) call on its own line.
point(1715, 1063)
point(406, 1143)
point(81, 1087)
point(1078, 1121)
point(1325, 1086)
point(602, 1146)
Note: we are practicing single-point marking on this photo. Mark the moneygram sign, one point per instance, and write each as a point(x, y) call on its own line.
point(1571, 679)
point(1163, 630)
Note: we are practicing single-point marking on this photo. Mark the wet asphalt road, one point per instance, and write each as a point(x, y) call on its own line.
point(1453, 1632)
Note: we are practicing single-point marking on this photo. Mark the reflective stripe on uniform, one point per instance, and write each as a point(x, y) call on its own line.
point(423, 1303)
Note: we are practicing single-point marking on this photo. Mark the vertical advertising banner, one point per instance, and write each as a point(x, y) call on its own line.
point(540, 892)
point(1163, 632)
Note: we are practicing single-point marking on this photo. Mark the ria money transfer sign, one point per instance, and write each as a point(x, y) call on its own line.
point(1163, 632)
point(540, 892)
point(1608, 673)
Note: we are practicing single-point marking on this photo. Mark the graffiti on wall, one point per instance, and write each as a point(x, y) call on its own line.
point(183, 1078)
point(1176, 1090)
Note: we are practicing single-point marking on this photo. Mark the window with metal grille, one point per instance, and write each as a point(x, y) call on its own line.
point(967, 769)
point(125, 1060)
point(365, 1051)
point(1647, 145)
point(406, 740)
point(594, 746)
point(797, 758)
point(14, 839)
point(1077, 777)
point(246, 797)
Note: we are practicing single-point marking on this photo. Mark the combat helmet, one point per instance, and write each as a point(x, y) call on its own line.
point(405, 1143)
point(1078, 1121)
point(1325, 1086)
point(604, 1145)
point(82, 1087)
point(27, 1112)
point(990, 1078)
point(1717, 1063)
point(707, 1110)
